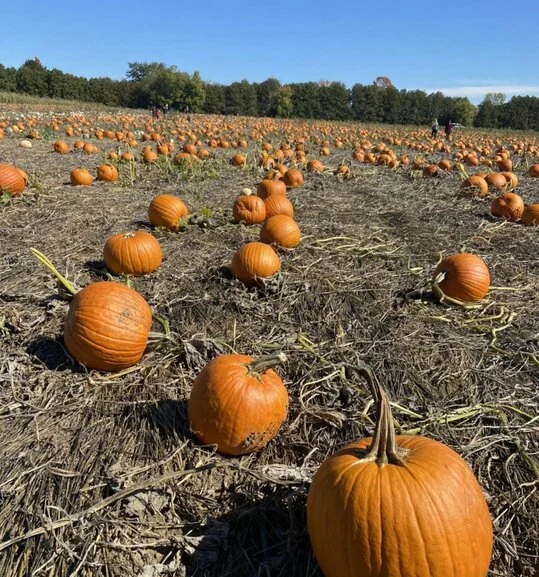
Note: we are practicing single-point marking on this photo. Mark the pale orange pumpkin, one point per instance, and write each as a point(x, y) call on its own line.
point(530, 214)
point(477, 184)
point(398, 506)
point(107, 172)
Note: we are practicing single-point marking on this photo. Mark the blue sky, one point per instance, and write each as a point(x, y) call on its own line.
point(460, 48)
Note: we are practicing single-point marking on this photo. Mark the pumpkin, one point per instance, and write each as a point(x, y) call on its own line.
point(444, 164)
point(496, 180)
point(477, 184)
point(254, 261)
point(135, 253)
point(508, 205)
point(238, 403)
point(463, 277)
point(107, 326)
point(398, 506)
point(293, 178)
point(267, 187)
point(512, 179)
point(81, 176)
point(533, 171)
point(167, 211)
point(315, 166)
point(89, 148)
point(238, 160)
point(281, 230)
point(107, 172)
point(11, 180)
point(250, 209)
point(530, 215)
point(278, 204)
point(61, 146)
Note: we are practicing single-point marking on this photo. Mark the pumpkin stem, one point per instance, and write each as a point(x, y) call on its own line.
point(44, 260)
point(383, 448)
point(258, 366)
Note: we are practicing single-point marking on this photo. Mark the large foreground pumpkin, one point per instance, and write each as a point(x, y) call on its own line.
point(238, 403)
point(398, 506)
point(107, 326)
point(11, 179)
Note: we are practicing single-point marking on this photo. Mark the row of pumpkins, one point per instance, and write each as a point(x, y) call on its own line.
point(400, 506)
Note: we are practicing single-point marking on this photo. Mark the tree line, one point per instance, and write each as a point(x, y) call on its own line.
point(155, 84)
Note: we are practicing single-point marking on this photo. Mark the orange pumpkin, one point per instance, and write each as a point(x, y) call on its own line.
point(293, 178)
point(107, 172)
point(464, 277)
point(135, 253)
point(496, 180)
point(254, 261)
point(237, 403)
point(238, 160)
point(267, 187)
point(11, 180)
point(530, 215)
point(81, 176)
point(508, 205)
point(281, 230)
point(278, 204)
point(398, 506)
point(477, 184)
point(167, 211)
point(249, 208)
point(61, 147)
point(533, 171)
point(107, 326)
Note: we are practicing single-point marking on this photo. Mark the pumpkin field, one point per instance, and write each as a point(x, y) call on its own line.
point(317, 248)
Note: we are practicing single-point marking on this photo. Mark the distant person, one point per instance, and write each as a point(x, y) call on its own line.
point(448, 129)
point(434, 128)
point(165, 108)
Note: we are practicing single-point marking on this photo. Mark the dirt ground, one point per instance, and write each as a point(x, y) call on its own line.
point(100, 473)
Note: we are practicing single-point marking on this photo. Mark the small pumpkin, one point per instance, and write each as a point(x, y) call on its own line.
point(238, 403)
point(278, 204)
point(238, 160)
point(107, 326)
point(463, 277)
point(533, 171)
point(11, 180)
point(167, 211)
point(293, 178)
point(61, 146)
point(81, 176)
point(530, 215)
point(281, 230)
point(254, 261)
point(107, 172)
point(496, 180)
point(267, 187)
point(249, 208)
point(136, 253)
point(398, 506)
point(508, 205)
point(477, 184)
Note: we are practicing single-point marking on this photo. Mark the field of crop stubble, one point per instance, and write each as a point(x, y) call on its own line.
point(101, 475)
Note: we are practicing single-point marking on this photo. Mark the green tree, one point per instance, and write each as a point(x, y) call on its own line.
point(8, 78)
point(306, 100)
point(139, 71)
point(214, 101)
point(284, 106)
point(496, 98)
point(31, 78)
point(334, 101)
point(266, 97)
point(195, 92)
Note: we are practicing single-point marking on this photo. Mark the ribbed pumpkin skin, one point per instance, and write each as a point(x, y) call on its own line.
point(135, 253)
point(278, 204)
point(268, 187)
point(238, 412)
point(81, 176)
point(508, 205)
point(107, 326)
point(11, 180)
point(249, 209)
point(167, 210)
point(428, 518)
point(530, 214)
point(293, 178)
point(253, 261)
point(467, 277)
point(281, 230)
